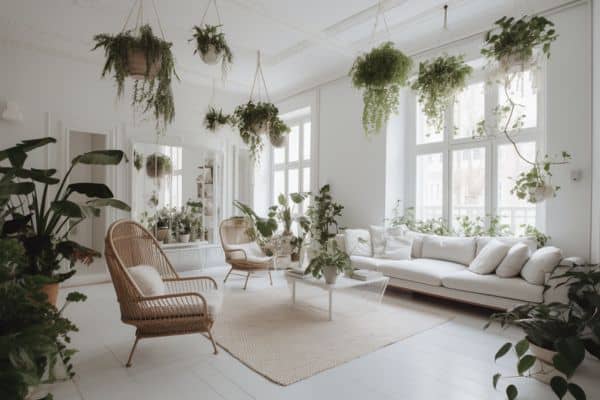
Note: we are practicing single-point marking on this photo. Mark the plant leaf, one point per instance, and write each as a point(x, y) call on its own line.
point(495, 380)
point(525, 363)
point(503, 350)
point(563, 365)
point(522, 347)
point(100, 157)
point(16, 188)
point(98, 190)
point(118, 204)
point(69, 209)
point(572, 349)
point(576, 391)
point(559, 386)
point(511, 392)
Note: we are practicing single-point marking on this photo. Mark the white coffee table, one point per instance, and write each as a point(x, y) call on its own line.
point(342, 283)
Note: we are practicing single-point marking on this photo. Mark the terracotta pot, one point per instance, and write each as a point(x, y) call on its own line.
point(136, 65)
point(51, 290)
point(330, 273)
point(211, 56)
point(161, 234)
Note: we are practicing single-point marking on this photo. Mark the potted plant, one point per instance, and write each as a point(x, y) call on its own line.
point(534, 185)
point(148, 60)
point(255, 119)
point(42, 222)
point(212, 46)
point(284, 213)
point(214, 119)
point(437, 83)
point(261, 229)
point(329, 262)
point(380, 73)
point(158, 165)
point(138, 160)
point(323, 213)
point(278, 134)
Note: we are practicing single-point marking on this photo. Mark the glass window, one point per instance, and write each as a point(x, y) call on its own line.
point(306, 179)
point(430, 181)
point(523, 92)
point(425, 132)
point(511, 210)
point(469, 109)
point(468, 183)
point(278, 184)
point(293, 181)
point(279, 155)
point(294, 144)
point(306, 143)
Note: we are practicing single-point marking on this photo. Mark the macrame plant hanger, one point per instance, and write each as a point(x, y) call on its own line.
point(380, 13)
point(214, 2)
point(259, 74)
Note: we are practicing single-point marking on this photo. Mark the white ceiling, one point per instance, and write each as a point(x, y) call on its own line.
point(303, 42)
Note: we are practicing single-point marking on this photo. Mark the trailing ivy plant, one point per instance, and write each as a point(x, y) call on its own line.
point(158, 165)
point(214, 119)
point(153, 91)
point(380, 74)
point(254, 119)
point(437, 83)
point(516, 44)
point(210, 39)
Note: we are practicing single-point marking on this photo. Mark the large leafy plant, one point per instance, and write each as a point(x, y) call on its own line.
point(261, 228)
point(254, 119)
point(283, 211)
point(210, 39)
point(437, 84)
point(330, 255)
point(323, 214)
point(152, 91)
point(380, 74)
point(43, 223)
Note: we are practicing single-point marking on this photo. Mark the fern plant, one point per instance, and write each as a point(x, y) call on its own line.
point(210, 39)
point(380, 74)
point(215, 118)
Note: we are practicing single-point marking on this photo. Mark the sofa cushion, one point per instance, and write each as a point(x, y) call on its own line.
point(417, 246)
point(397, 245)
point(513, 262)
point(361, 262)
point(358, 242)
point(377, 239)
point(511, 288)
point(421, 270)
point(456, 249)
point(509, 240)
point(542, 261)
point(147, 279)
point(489, 258)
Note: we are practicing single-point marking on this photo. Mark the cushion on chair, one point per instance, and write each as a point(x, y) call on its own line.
point(455, 249)
point(489, 257)
point(513, 262)
point(358, 242)
point(147, 279)
point(542, 261)
point(214, 303)
point(253, 252)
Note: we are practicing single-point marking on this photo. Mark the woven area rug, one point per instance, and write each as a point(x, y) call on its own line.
point(287, 343)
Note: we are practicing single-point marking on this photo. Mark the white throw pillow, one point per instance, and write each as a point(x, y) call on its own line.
point(417, 246)
point(509, 240)
point(147, 278)
point(397, 246)
point(542, 261)
point(456, 249)
point(358, 242)
point(489, 257)
point(513, 262)
point(377, 240)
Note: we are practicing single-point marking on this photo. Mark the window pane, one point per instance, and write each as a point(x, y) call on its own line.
point(293, 181)
point(430, 181)
point(523, 92)
point(278, 155)
point(306, 148)
point(306, 179)
point(278, 185)
point(425, 132)
point(511, 210)
point(469, 109)
point(468, 183)
point(294, 144)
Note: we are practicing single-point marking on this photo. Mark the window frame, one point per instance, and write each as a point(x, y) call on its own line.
point(490, 142)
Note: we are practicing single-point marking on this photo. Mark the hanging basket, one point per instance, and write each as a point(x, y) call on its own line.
point(137, 67)
point(543, 192)
point(278, 141)
point(260, 128)
point(158, 165)
point(211, 56)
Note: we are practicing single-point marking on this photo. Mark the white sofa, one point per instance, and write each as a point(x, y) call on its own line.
point(443, 272)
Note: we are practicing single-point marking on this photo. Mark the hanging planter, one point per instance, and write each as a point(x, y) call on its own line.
point(534, 185)
point(212, 46)
point(437, 84)
point(214, 119)
point(278, 134)
point(380, 74)
point(138, 160)
point(158, 165)
point(139, 54)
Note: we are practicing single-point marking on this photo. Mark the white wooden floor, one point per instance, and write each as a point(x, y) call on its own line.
point(451, 361)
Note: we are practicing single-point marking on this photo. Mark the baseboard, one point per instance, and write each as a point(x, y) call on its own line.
point(86, 279)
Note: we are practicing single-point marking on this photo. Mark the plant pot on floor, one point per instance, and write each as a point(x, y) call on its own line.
point(184, 237)
point(211, 56)
point(51, 290)
point(330, 273)
point(544, 370)
point(137, 66)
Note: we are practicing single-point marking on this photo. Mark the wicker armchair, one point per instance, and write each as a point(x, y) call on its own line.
point(183, 310)
point(241, 252)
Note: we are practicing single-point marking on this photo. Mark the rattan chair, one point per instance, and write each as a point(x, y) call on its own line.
point(235, 240)
point(183, 310)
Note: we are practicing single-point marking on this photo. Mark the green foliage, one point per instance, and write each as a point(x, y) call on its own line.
point(533, 185)
point(541, 238)
point(471, 227)
point(517, 39)
point(433, 226)
point(329, 255)
point(252, 119)
point(437, 84)
point(261, 229)
point(153, 92)
point(380, 73)
point(284, 212)
point(188, 220)
point(323, 214)
point(158, 165)
point(215, 118)
point(211, 35)
point(138, 160)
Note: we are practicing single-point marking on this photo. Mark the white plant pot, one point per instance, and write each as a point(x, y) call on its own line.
point(211, 57)
point(260, 129)
point(330, 273)
point(184, 237)
point(543, 371)
point(278, 142)
point(544, 192)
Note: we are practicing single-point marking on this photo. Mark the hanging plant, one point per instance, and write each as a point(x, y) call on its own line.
point(437, 84)
point(158, 165)
point(212, 46)
point(254, 119)
point(517, 41)
point(148, 60)
point(278, 133)
point(534, 185)
point(214, 119)
point(138, 160)
point(381, 73)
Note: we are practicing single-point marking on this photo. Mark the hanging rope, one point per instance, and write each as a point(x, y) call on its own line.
point(206, 11)
point(258, 73)
point(380, 13)
point(162, 32)
point(129, 15)
point(139, 18)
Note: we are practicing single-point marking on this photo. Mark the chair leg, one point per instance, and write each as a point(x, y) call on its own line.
point(246, 283)
point(137, 338)
point(227, 276)
point(270, 278)
point(212, 340)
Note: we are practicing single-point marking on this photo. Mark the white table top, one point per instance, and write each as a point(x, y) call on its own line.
point(343, 282)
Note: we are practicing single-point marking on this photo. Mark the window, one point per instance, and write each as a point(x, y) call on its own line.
point(292, 163)
point(458, 173)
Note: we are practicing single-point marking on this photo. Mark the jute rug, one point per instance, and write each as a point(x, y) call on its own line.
point(287, 343)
